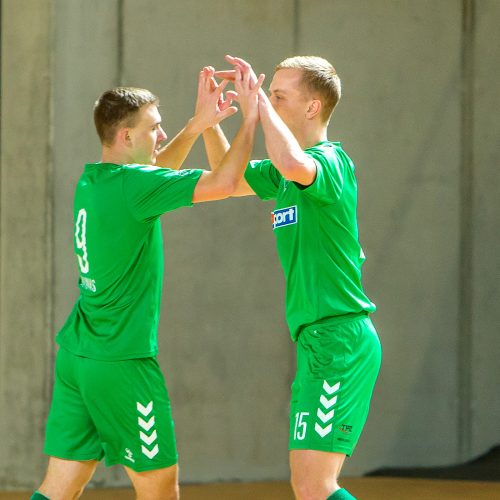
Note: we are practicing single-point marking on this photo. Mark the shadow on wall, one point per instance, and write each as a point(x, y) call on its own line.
point(484, 468)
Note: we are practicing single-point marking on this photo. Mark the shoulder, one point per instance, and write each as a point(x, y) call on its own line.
point(326, 148)
point(151, 171)
point(330, 154)
point(137, 169)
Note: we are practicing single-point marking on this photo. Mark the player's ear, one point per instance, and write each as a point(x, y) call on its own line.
point(123, 137)
point(314, 109)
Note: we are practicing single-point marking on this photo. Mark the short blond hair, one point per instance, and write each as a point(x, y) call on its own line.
point(318, 77)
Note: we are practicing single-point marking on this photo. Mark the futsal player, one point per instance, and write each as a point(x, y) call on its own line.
point(110, 400)
point(313, 182)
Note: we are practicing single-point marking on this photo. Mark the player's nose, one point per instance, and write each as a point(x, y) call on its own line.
point(162, 135)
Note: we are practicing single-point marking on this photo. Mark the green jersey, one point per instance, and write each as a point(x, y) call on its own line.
point(119, 251)
point(317, 237)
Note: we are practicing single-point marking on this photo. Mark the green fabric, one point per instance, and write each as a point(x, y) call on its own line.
point(317, 237)
point(337, 366)
point(341, 494)
point(119, 252)
point(119, 410)
point(38, 496)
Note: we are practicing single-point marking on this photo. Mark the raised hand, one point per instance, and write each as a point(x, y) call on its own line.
point(211, 106)
point(247, 86)
point(236, 62)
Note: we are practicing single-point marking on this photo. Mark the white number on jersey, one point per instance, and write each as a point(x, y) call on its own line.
point(81, 242)
point(300, 426)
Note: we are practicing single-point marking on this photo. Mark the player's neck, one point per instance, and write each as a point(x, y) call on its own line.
point(112, 155)
point(311, 137)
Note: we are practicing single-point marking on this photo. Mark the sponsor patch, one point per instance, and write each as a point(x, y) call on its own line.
point(284, 217)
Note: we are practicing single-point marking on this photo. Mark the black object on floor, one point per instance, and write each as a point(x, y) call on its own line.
point(484, 468)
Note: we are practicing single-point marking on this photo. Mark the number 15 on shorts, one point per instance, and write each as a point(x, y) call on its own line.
point(300, 430)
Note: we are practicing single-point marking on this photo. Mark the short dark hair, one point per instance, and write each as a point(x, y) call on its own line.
point(318, 77)
point(119, 107)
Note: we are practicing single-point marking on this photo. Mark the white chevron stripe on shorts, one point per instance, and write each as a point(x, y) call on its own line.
point(327, 403)
point(147, 439)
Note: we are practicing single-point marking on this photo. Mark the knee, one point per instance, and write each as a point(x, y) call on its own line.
point(165, 493)
point(171, 493)
point(60, 491)
point(307, 488)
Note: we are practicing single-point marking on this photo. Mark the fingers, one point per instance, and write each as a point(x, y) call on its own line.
point(230, 97)
point(231, 94)
point(222, 86)
point(258, 84)
point(227, 74)
point(237, 75)
point(201, 81)
point(226, 113)
point(237, 60)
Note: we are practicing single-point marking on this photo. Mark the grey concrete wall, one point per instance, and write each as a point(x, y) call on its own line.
point(26, 258)
point(485, 341)
point(224, 345)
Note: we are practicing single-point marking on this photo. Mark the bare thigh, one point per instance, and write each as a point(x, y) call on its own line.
point(160, 484)
point(66, 479)
point(315, 473)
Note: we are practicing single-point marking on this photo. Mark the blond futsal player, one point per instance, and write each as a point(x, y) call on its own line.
point(313, 182)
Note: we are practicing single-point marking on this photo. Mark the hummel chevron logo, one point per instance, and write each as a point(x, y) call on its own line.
point(148, 439)
point(328, 403)
point(147, 425)
point(324, 417)
point(150, 454)
point(145, 410)
point(322, 432)
point(330, 389)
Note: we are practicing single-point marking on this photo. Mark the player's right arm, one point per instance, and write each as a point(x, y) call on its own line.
point(216, 143)
point(284, 151)
point(225, 179)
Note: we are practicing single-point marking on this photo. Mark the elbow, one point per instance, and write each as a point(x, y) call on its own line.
point(229, 187)
point(291, 168)
point(297, 169)
point(226, 187)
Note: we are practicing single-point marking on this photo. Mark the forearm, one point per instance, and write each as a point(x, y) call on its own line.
point(283, 148)
point(216, 145)
point(225, 181)
point(176, 151)
point(234, 162)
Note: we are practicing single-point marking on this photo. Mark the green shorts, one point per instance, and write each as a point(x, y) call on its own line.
point(337, 364)
point(119, 410)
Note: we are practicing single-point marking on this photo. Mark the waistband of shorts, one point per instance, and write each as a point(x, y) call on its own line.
point(336, 320)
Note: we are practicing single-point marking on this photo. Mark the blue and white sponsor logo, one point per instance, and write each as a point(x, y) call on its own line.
point(284, 217)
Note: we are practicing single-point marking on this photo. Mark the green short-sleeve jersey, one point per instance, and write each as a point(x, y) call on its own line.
point(317, 236)
point(119, 251)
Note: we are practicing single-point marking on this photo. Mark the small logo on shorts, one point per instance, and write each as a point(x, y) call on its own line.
point(284, 217)
point(346, 429)
point(129, 455)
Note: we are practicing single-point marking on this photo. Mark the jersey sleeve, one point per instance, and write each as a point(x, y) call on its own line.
point(331, 169)
point(263, 178)
point(152, 191)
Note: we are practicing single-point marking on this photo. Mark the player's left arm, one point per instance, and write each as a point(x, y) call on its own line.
point(284, 151)
point(210, 110)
